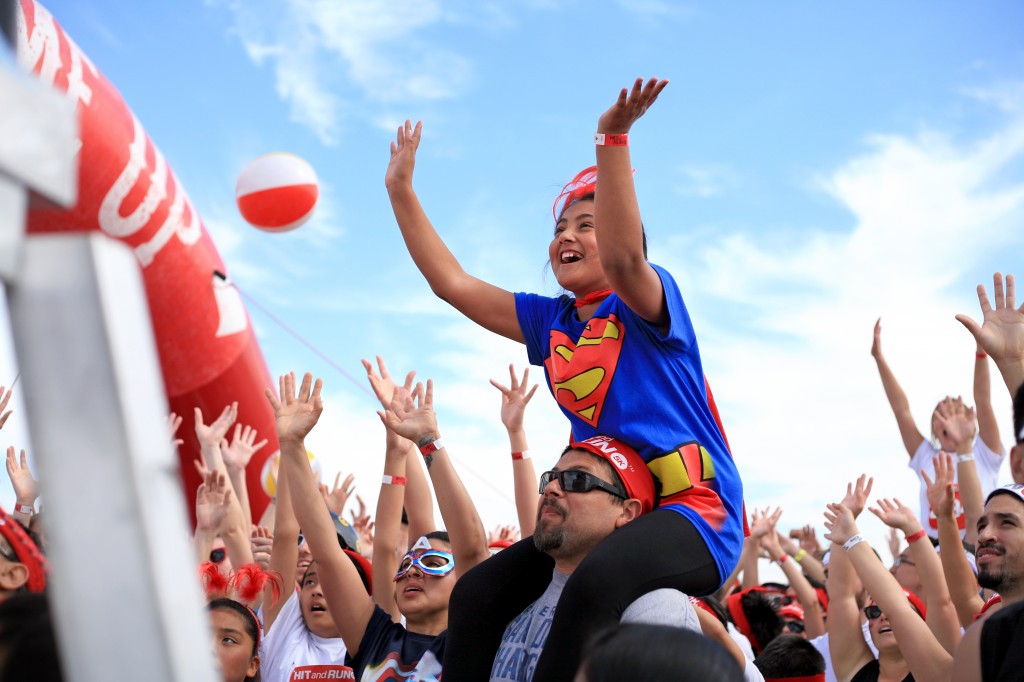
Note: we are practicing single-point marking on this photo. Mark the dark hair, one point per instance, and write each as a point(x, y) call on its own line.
point(441, 535)
point(790, 656)
point(717, 607)
point(765, 622)
point(28, 647)
point(616, 478)
point(252, 626)
point(657, 653)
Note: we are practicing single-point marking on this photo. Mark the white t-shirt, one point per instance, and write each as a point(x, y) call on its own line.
point(291, 652)
point(987, 463)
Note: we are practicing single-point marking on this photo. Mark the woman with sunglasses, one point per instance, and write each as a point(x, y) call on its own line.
point(621, 359)
point(907, 649)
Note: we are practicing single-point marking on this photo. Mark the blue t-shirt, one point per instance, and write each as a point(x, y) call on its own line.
point(617, 374)
point(390, 652)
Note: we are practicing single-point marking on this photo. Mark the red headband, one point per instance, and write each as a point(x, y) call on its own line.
point(26, 550)
point(739, 617)
point(584, 183)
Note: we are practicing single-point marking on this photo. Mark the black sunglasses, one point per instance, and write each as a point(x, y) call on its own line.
point(217, 555)
point(794, 626)
point(574, 481)
point(873, 611)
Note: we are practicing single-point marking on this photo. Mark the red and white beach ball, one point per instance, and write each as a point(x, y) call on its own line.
point(277, 192)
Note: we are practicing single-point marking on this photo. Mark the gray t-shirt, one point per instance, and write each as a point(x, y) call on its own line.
point(525, 636)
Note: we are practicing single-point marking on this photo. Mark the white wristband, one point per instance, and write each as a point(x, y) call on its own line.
point(26, 509)
point(965, 458)
point(855, 540)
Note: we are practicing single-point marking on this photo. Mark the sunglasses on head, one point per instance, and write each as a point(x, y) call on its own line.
point(433, 562)
point(574, 481)
point(218, 555)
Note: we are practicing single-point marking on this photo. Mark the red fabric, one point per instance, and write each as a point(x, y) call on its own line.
point(629, 465)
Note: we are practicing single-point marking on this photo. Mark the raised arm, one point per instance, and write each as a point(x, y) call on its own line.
point(925, 656)
point(389, 519)
point(941, 617)
point(514, 400)
point(412, 416)
point(617, 224)
point(297, 414)
point(284, 552)
point(1001, 333)
point(236, 456)
point(959, 424)
point(5, 397)
point(212, 503)
point(419, 503)
point(487, 305)
point(960, 580)
point(807, 560)
point(25, 488)
point(846, 639)
point(988, 426)
point(911, 436)
point(814, 621)
point(235, 529)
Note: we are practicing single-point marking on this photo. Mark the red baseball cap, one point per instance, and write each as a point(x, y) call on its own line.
point(630, 467)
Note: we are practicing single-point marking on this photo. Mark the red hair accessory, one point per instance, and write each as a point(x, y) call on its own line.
point(250, 580)
point(215, 583)
point(26, 550)
point(583, 184)
point(916, 602)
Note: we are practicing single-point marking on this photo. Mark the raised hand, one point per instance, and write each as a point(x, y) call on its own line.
point(808, 539)
point(213, 499)
point(857, 494)
point(942, 491)
point(363, 523)
point(337, 496)
point(876, 343)
point(840, 522)
point(262, 540)
point(5, 397)
point(403, 155)
point(630, 106)
point(211, 436)
point(382, 384)
point(25, 489)
point(502, 534)
point(1001, 333)
point(515, 398)
point(895, 514)
point(893, 540)
point(956, 420)
point(411, 415)
point(243, 446)
point(173, 423)
point(764, 522)
point(296, 414)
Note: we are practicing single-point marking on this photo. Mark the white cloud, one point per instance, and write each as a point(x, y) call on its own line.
point(798, 389)
point(705, 181)
point(366, 48)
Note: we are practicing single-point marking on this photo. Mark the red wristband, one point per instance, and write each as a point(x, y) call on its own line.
point(782, 559)
point(394, 480)
point(430, 448)
point(516, 456)
point(981, 356)
point(611, 139)
point(914, 537)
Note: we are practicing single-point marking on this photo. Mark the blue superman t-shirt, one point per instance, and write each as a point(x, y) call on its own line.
point(617, 374)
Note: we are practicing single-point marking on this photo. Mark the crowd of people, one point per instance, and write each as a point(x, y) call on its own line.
point(634, 557)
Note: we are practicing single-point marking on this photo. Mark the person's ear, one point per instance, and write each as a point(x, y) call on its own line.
point(1017, 463)
point(12, 576)
point(254, 667)
point(631, 510)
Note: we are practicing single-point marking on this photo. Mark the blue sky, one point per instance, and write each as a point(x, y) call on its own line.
point(807, 170)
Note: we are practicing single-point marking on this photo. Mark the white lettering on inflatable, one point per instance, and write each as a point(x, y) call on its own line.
point(43, 42)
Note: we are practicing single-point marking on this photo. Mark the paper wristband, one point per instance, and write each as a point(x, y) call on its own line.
point(431, 447)
point(783, 559)
point(525, 454)
point(855, 540)
point(799, 556)
point(965, 458)
point(24, 509)
point(914, 537)
point(394, 480)
point(611, 140)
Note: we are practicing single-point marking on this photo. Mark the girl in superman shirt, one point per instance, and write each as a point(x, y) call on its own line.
point(622, 360)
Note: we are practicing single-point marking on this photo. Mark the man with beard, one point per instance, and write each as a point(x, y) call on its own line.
point(597, 486)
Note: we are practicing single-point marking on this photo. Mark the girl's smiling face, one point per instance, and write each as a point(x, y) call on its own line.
point(573, 251)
